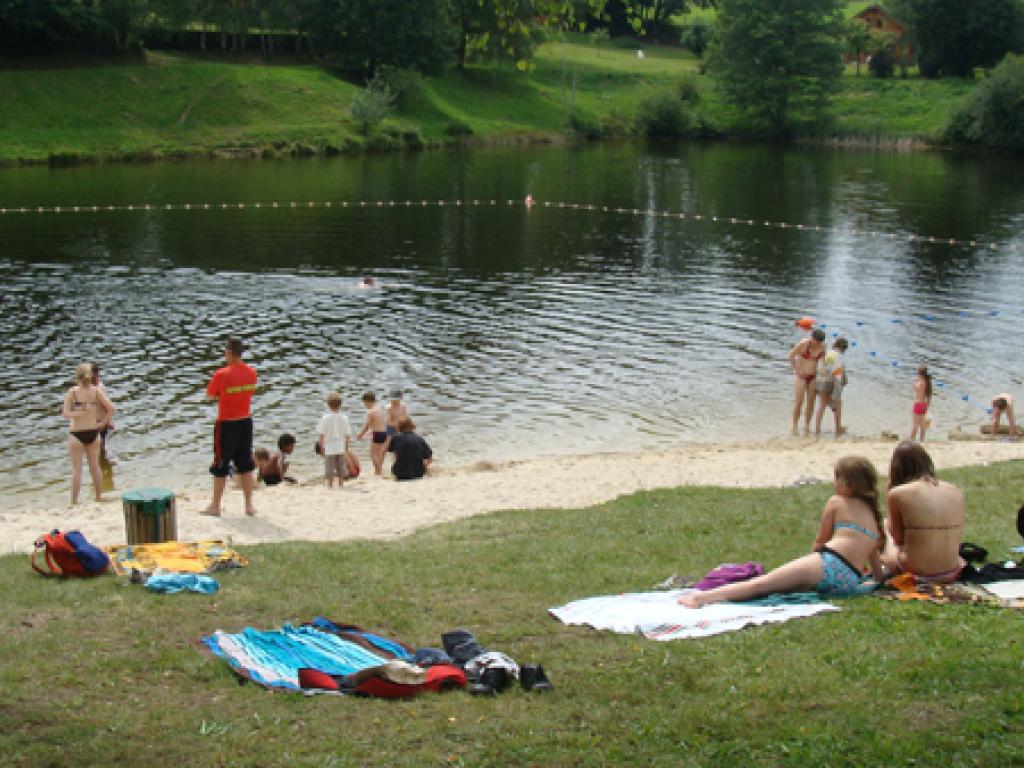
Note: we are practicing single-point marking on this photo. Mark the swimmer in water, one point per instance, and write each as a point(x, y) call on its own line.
point(367, 282)
point(528, 201)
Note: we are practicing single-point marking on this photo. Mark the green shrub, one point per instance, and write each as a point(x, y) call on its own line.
point(697, 36)
point(662, 114)
point(458, 128)
point(405, 85)
point(687, 89)
point(882, 62)
point(992, 113)
point(371, 105)
point(585, 125)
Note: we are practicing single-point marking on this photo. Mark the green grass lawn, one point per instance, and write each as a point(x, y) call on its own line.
point(102, 673)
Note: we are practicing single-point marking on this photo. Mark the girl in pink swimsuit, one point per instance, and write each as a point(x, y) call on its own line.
point(922, 399)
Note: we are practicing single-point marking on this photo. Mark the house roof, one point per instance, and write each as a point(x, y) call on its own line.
point(876, 8)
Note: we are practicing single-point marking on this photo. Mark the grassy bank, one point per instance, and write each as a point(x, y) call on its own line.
point(99, 673)
point(174, 105)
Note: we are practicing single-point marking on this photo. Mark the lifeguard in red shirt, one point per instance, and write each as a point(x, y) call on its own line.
point(232, 387)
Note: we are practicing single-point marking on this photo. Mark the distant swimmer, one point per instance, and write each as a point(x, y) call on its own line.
point(528, 201)
point(1003, 403)
point(367, 282)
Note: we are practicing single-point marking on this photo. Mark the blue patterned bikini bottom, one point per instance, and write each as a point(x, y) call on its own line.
point(838, 577)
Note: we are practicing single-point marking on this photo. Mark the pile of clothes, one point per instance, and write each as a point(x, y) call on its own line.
point(326, 657)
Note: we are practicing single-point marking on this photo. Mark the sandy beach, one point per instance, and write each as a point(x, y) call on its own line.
point(374, 508)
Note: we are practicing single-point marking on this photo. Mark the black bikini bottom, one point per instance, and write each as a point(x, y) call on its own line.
point(86, 436)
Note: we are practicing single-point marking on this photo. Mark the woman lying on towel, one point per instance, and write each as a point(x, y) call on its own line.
point(850, 535)
point(926, 518)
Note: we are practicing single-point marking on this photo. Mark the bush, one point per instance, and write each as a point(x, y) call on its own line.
point(662, 115)
point(882, 62)
point(405, 85)
point(687, 89)
point(585, 125)
point(992, 114)
point(372, 104)
point(458, 128)
point(697, 36)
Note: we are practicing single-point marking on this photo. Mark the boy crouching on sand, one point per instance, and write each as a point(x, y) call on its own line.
point(333, 434)
point(271, 467)
point(377, 424)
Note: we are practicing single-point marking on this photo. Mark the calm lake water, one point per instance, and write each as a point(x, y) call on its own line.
point(516, 333)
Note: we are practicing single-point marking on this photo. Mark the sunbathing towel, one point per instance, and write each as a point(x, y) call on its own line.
point(657, 615)
point(274, 658)
point(176, 556)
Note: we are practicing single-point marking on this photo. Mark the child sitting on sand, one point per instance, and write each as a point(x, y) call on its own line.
point(271, 468)
point(850, 535)
point(377, 425)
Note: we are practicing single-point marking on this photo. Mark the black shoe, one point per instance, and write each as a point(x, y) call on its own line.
point(532, 678)
point(491, 681)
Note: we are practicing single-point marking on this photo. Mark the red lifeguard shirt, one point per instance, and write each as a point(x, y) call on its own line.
point(233, 386)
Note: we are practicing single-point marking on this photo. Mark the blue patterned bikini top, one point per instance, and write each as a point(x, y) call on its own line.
point(855, 527)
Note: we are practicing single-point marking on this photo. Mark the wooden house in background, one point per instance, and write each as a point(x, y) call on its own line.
point(881, 24)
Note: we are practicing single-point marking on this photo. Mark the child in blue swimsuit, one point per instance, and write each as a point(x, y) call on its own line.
point(849, 536)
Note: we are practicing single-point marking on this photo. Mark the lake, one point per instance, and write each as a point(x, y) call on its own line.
point(517, 332)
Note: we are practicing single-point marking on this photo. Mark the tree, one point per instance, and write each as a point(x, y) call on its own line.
point(123, 19)
point(509, 29)
point(778, 62)
point(992, 113)
point(857, 40)
point(372, 33)
point(953, 38)
point(697, 37)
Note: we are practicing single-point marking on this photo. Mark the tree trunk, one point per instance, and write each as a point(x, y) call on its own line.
point(202, 40)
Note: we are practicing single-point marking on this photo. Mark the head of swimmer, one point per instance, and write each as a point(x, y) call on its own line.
point(233, 350)
point(841, 344)
point(818, 336)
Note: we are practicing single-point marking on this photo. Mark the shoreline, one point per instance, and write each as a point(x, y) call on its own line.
point(371, 508)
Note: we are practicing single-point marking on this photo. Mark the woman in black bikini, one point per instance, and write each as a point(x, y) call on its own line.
point(90, 411)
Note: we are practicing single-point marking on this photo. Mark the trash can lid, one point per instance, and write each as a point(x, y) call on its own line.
point(142, 495)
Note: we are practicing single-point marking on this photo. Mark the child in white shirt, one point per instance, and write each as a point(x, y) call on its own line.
point(333, 434)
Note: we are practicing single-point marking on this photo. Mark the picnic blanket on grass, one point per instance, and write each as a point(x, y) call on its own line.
point(997, 594)
point(177, 556)
point(657, 615)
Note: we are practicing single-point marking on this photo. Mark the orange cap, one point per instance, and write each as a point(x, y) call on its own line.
point(806, 322)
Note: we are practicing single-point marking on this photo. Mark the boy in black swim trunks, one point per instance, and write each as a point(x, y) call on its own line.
point(377, 424)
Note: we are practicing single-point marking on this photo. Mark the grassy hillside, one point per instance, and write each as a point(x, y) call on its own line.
point(102, 673)
point(171, 105)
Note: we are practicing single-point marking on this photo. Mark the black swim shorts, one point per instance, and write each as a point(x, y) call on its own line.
point(232, 444)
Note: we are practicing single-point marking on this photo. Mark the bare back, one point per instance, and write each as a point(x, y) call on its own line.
point(926, 520)
point(86, 406)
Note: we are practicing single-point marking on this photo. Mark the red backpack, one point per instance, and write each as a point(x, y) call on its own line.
point(69, 554)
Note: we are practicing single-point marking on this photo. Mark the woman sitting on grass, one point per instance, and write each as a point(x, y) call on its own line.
point(849, 536)
point(926, 518)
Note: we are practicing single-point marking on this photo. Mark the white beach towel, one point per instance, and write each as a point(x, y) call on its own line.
point(1012, 589)
point(657, 615)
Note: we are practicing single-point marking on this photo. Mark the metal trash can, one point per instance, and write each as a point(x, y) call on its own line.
point(149, 516)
